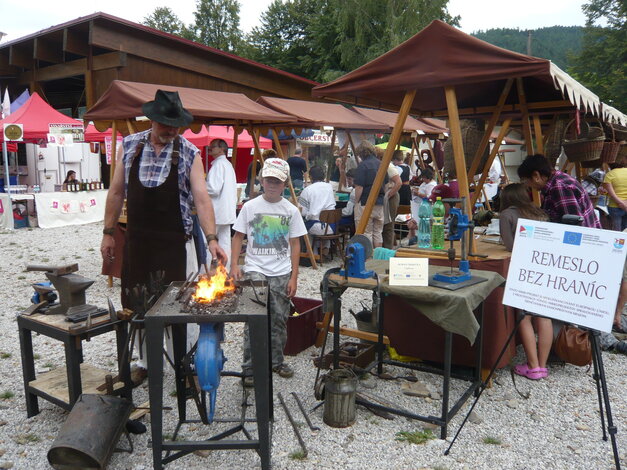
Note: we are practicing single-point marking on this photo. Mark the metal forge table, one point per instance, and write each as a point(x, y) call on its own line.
point(166, 312)
point(335, 285)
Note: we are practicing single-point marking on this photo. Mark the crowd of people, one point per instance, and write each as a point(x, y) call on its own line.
point(160, 175)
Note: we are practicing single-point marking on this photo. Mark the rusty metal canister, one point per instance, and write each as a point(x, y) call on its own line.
point(340, 387)
point(90, 434)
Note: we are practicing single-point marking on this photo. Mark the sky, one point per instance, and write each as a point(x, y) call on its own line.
point(22, 17)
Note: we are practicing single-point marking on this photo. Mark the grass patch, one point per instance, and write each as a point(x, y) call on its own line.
point(298, 455)
point(49, 365)
point(45, 260)
point(36, 356)
point(21, 277)
point(492, 440)
point(7, 395)
point(5, 355)
point(173, 393)
point(416, 437)
point(26, 438)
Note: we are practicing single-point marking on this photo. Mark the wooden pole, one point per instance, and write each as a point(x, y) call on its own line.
point(550, 131)
point(524, 111)
point(130, 127)
point(458, 145)
point(344, 160)
point(256, 158)
point(236, 130)
point(387, 158)
point(114, 149)
point(279, 150)
point(485, 140)
point(488, 163)
point(438, 176)
point(502, 160)
point(332, 155)
point(537, 128)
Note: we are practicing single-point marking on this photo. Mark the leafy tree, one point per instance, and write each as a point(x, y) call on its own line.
point(217, 24)
point(602, 65)
point(164, 19)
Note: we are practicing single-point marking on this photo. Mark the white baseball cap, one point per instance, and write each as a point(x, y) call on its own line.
point(276, 168)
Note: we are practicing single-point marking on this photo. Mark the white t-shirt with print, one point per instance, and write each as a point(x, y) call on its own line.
point(269, 227)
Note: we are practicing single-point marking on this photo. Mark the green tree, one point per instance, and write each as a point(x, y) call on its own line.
point(164, 19)
point(217, 24)
point(602, 64)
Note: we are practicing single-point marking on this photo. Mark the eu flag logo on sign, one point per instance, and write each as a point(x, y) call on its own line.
point(618, 242)
point(572, 238)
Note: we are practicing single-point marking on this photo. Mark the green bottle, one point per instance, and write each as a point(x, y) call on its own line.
point(437, 227)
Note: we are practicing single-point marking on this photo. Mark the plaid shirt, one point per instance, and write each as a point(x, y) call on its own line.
point(564, 195)
point(154, 169)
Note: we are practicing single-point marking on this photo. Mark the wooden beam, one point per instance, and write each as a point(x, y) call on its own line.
point(438, 176)
point(47, 50)
point(114, 148)
point(5, 67)
point(90, 96)
point(75, 42)
point(537, 128)
point(550, 131)
point(488, 163)
point(509, 108)
point(458, 147)
point(485, 140)
point(19, 57)
point(330, 169)
point(235, 140)
point(526, 125)
point(502, 160)
point(76, 67)
point(387, 158)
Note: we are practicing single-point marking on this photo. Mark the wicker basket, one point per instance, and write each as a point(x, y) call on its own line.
point(620, 132)
point(553, 147)
point(610, 149)
point(584, 149)
point(472, 133)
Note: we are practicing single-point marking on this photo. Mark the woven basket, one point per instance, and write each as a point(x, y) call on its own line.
point(584, 149)
point(610, 149)
point(553, 147)
point(472, 133)
point(622, 152)
point(620, 132)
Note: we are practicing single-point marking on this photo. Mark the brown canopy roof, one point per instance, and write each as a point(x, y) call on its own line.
point(315, 114)
point(411, 124)
point(124, 100)
point(441, 55)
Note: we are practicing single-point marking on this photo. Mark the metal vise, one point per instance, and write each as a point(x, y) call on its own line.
point(356, 255)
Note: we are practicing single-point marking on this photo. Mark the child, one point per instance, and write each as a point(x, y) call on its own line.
point(273, 227)
point(515, 203)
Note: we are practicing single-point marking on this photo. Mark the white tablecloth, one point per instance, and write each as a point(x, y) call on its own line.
point(6, 211)
point(65, 208)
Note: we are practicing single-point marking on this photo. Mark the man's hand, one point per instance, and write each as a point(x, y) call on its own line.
point(217, 252)
point(236, 272)
point(623, 205)
point(292, 285)
point(107, 248)
point(412, 224)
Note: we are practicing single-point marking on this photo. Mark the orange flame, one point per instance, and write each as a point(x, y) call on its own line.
point(214, 287)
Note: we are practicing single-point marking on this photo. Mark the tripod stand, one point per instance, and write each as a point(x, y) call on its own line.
point(599, 378)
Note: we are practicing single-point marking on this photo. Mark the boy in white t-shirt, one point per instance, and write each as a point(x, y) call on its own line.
point(273, 227)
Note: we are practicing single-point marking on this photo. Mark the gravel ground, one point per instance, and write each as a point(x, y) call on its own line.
point(557, 427)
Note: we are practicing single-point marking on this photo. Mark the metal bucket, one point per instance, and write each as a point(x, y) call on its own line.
point(340, 386)
point(89, 435)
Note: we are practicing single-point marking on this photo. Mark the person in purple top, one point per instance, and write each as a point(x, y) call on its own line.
point(562, 194)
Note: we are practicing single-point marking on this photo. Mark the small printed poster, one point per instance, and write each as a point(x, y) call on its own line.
point(54, 206)
point(409, 272)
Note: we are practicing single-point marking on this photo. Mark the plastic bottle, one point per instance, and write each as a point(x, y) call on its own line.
point(424, 224)
point(437, 227)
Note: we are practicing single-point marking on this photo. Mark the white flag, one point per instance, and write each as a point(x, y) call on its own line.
point(6, 104)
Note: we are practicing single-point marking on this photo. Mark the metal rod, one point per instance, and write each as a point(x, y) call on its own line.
point(302, 409)
point(296, 431)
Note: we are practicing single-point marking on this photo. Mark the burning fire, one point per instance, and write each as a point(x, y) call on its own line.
point(214, 287)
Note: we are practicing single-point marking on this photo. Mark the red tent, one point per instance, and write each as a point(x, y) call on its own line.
point(36, 115)
point(94, 135)
point(206, 135)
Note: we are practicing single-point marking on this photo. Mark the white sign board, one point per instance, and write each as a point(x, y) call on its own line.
point(75, 130)
point(108, 147)
point(409, 272)
point(61, 140)
point(566, 272)
point(318, 138)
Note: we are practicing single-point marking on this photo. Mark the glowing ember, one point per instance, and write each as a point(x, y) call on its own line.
point(214, 288)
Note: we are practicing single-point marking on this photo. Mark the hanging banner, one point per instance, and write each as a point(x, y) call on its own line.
point(107, 142)
point(566, 272)
point(61, 140)
point(75, 130)
point(318, 138)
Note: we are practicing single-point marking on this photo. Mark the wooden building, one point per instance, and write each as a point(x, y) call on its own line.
point(72, 64)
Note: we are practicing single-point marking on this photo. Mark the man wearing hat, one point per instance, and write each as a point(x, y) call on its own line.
point(161, 176)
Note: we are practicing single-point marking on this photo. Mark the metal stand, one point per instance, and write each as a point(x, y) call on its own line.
point(332, 295)
point(599, 378)
point(166, 312)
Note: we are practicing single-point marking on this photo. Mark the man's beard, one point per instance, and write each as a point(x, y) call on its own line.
point(165, 139)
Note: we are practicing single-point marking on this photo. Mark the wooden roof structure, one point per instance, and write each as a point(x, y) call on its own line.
point(72, 64)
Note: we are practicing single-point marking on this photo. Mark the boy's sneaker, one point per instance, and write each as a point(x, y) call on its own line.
point(621, 347)
point(284, 370)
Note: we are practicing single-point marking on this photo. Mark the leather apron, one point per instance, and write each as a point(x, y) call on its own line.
point(155, 236)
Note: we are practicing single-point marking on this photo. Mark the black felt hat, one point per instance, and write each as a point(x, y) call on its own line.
point(167, 109)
